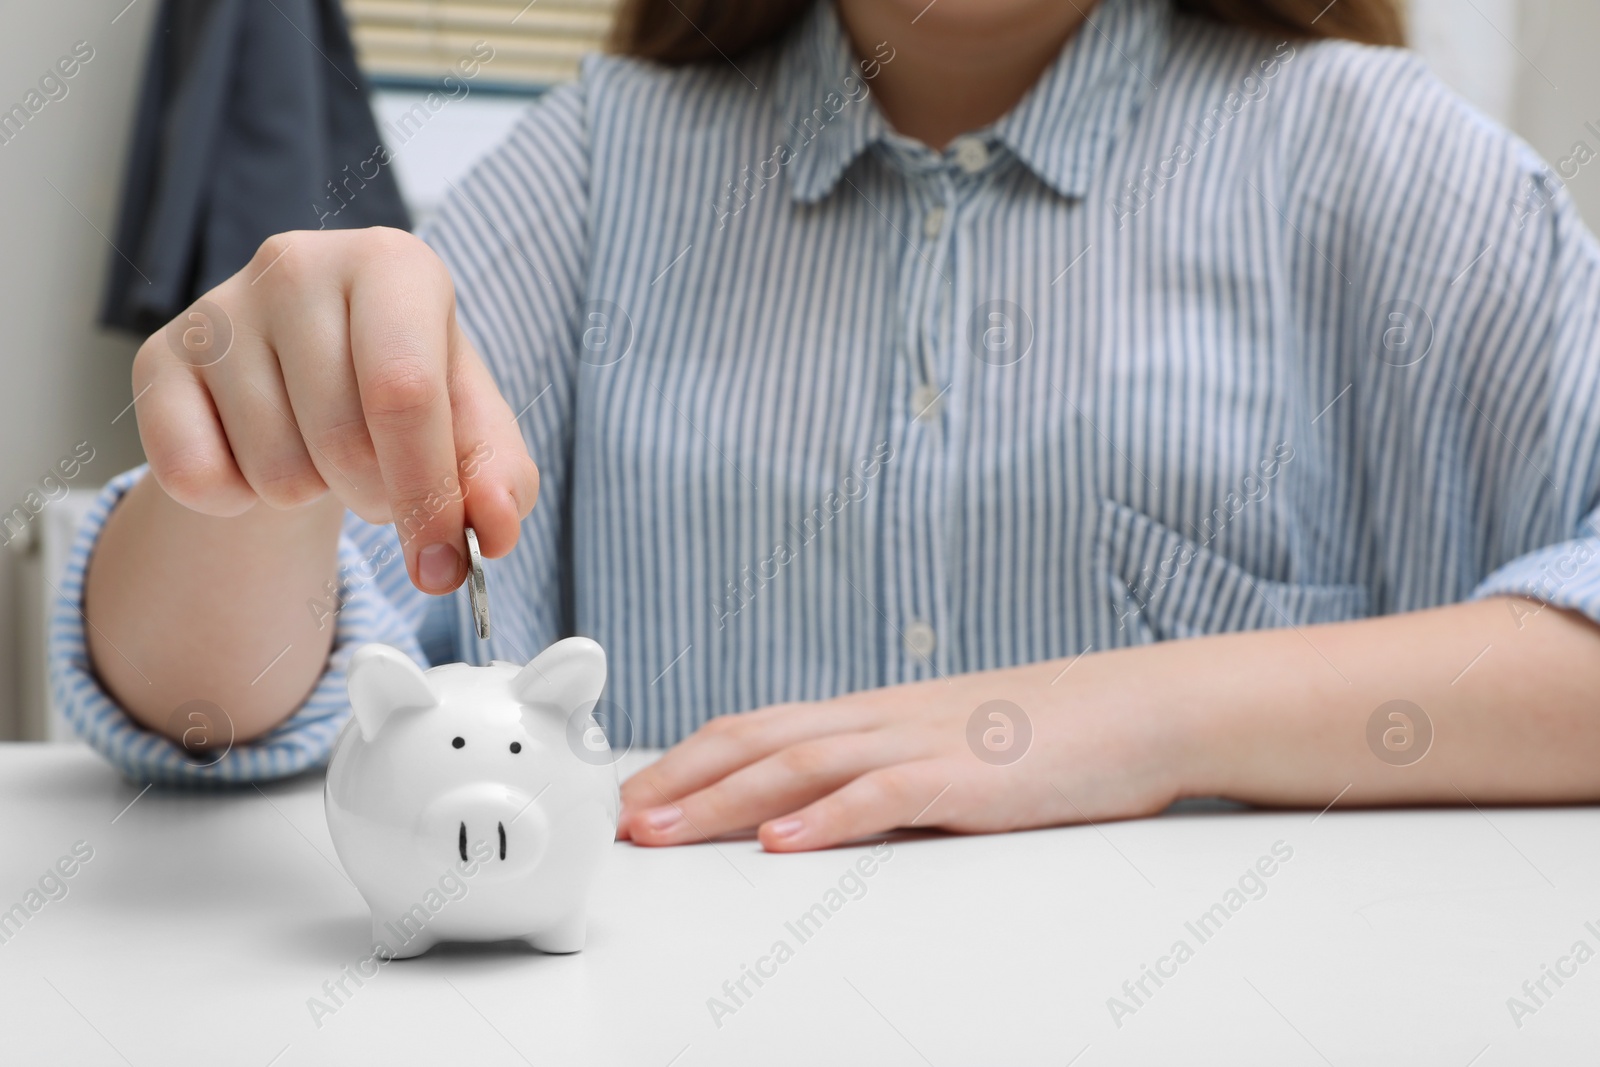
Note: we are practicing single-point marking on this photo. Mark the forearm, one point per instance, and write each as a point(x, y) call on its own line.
point(183, 606)
point(1275, 717)
point(1511, 689)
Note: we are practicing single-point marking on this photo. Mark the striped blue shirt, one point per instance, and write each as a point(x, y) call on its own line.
point(1212, 332)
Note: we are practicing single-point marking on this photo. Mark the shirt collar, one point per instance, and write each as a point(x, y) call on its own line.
point(1062, 129)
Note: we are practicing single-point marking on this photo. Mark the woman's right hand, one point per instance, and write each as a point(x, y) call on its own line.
point(333, 363)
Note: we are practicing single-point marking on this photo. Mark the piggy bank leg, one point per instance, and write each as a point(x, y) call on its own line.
point(420, 942)
point(565, 936)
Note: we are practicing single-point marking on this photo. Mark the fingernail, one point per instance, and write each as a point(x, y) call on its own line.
point(787, 827)
point(662, 818)
point(438, 566)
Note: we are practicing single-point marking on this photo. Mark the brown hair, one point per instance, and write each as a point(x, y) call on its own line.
point(688, 31)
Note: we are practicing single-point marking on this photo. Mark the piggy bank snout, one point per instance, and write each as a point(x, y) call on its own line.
point(499, 829)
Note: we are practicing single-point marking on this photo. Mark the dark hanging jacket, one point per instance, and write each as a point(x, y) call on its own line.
point(253, 119)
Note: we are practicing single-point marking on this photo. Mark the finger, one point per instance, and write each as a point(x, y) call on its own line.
point(729, 742)
point(267, 444)
point(311, 335)
point(400, 301)
point(782, 782)
point(183, 437)
point(896, 796)
point(499, 481)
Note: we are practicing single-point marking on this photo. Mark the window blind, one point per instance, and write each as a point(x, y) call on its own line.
point(418, 41)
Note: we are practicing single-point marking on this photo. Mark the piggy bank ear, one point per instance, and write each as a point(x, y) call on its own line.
point(567, 675)
point(382, 681)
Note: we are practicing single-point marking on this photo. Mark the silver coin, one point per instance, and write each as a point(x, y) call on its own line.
point(477, 590)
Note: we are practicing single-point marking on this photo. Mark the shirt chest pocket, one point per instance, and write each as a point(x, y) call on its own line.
point(1163, 585)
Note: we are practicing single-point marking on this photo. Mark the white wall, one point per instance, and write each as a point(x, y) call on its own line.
point(1465, 43)
point(1530, 65)
point(1558, 90)
point(64, 380)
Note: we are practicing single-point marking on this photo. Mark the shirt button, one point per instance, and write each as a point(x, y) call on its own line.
point(971, 155)
point(933, 222)
point(920, 639)
point(925, 402)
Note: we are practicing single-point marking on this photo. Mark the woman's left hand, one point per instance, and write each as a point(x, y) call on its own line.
point(1001, 750)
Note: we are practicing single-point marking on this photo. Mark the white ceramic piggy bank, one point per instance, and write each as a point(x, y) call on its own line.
point(459, 807)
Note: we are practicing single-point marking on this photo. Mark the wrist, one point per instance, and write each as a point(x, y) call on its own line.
point(1219, 710)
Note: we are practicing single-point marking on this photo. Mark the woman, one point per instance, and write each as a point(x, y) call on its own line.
point(910, 374)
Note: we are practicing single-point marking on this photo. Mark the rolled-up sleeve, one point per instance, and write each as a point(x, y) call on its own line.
point(376, 602)
point(1566, 575)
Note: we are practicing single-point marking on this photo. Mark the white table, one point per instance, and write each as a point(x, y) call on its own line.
point(203, 925)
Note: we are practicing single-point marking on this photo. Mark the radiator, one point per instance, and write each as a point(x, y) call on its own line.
point(43, 549)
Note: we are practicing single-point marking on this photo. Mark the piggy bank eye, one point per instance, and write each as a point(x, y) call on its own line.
point(458, 742)
point(516, 746)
